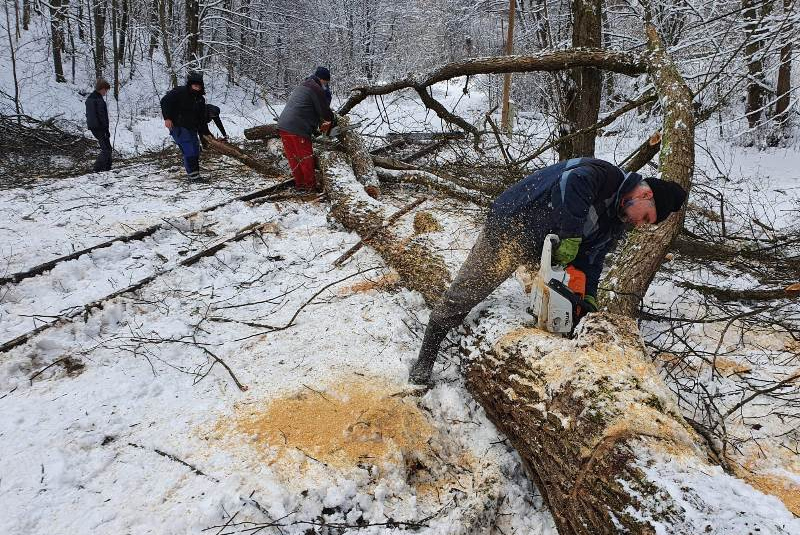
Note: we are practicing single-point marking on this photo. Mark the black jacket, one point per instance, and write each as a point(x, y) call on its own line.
point(186, 109)
point(96, 113)
point(306, 108)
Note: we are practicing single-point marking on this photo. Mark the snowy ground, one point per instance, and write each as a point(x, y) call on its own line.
point(85, 442)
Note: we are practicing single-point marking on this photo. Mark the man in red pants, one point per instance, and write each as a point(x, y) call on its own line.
point(307, 109)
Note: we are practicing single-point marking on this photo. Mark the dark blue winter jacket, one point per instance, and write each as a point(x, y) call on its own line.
point(96, 113)
point(576, 198)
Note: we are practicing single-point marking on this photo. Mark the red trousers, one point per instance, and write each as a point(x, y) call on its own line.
point(301, 159)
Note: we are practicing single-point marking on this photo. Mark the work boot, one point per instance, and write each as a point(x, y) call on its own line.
point(422, 368)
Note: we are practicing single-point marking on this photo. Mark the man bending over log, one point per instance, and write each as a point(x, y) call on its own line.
point(588, 203)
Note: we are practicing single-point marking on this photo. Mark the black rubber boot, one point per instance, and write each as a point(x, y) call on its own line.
point(420, 373)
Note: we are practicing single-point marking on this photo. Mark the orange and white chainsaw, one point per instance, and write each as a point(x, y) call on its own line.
point(556, 307)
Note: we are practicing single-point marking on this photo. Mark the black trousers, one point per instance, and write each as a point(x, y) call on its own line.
point(103, 161)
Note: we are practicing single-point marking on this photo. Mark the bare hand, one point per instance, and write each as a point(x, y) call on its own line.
point(325, 127)
point(168, 123)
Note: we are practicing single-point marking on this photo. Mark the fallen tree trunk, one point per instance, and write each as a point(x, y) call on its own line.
point(418, 267)
point(229, 150)
point(601, 435)
point(360, 158)
point(265, 131)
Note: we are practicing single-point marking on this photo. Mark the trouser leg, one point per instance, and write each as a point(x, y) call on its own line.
point(103, 161)
point(189, 144)
point(300, 156)
point(491, 261)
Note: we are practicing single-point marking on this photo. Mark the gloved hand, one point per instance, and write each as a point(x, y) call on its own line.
point(567, 250)
point(592, 300)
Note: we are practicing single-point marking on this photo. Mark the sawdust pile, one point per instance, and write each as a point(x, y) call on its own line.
point(782, 488)
point(351, 425)
point(424, 222)
point(384, 283)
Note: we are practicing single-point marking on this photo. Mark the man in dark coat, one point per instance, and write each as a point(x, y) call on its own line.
point(97, 121)
point(184, 112)
point(589, 203)
point(307, 109)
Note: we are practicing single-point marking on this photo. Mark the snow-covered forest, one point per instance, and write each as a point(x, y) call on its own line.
point(232, 355)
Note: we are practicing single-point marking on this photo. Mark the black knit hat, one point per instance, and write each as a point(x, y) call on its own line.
point(323, 73)
point(668, 197)
point(194, 77)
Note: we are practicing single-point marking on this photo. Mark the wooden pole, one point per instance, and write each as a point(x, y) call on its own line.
point(505, 120)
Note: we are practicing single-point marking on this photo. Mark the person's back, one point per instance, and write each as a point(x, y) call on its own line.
point(305, 109)
point(186, 108)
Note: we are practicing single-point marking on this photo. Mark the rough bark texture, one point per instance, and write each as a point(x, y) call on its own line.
point(546, 61)
point(266, 131)
point(360, 158)
point(754, 13)
point(584, 83)
point(599, 432)
point(229, 150)
point(417, 266)
point(644, 250)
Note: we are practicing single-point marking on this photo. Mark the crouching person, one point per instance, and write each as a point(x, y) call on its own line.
point(589, 203)
point(184, 112)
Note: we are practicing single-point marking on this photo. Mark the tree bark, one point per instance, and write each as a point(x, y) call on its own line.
point(546, 61)
point(360, 158)
point(784, 84)
point(193, 31)
point(754, 13)
point(162, 22)
point(417, 266)
point(598, 431)
point(644, 250)
point(266, 131)
point(99, 37)
point(584, 84)
point(57, 38)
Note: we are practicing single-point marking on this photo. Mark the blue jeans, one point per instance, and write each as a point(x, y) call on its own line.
point(189, 144)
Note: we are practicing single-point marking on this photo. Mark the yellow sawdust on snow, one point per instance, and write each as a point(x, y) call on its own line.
point(342, 427)
point(382, 283)
point(781, 487)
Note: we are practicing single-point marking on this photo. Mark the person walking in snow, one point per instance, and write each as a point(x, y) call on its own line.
point(589, 203)
point(184, 112)
point(307, 109)
point(97, 122)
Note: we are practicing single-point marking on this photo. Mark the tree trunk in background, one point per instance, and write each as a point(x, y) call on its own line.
point(57, 38)
point(154, 28)
point(123, 31)
point(193, 32)
point(162, 22)
point(644, 250)
point(229, 47)
point(584, 85)
point(753, 13)
point(26, 14)
point(115, 47)
point(784, 85)
point(13, 54)
point(505, 119)
point(99, 37)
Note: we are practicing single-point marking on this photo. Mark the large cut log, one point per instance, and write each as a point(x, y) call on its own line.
point(417, 266)
point(603, 439)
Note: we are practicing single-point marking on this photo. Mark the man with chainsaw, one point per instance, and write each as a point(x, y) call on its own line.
point(588, 203)
point(307, 109)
